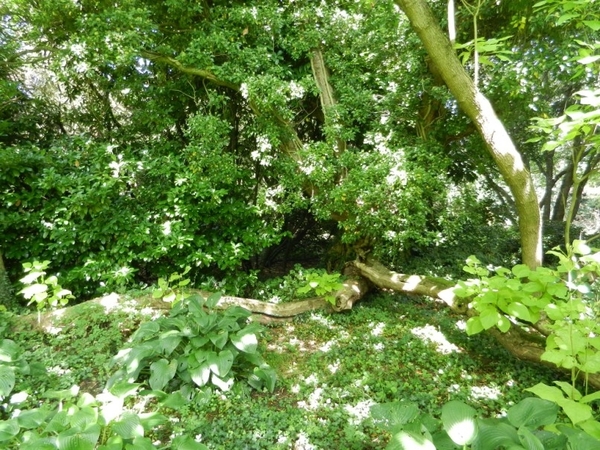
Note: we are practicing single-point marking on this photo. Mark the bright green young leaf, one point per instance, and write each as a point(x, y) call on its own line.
point(519, 310)
point(546, 392)
point(577, 412)
point(591, 427)
point(489, 317)
point(474, 325)
point(503, 324)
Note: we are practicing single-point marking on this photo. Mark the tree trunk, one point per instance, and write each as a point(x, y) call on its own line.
point(493, 132)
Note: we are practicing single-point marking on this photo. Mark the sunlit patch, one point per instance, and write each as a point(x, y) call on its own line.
point(431, 334)
point(53, 330)
point(485, 392)
point(302, 443)
point(377, 329)
point(110, 302)
point(359, 412)
point(461, 325)
point(327, 346)
point(333, 368)
point(57, 370)
point(322, 320)
point(378, 346)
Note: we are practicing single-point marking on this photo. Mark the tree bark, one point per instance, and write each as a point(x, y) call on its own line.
point(480, 111)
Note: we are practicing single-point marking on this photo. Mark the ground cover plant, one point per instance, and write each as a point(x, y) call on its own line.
point(332, 368)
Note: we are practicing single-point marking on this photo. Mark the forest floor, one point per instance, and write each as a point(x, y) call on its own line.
point(331, 369)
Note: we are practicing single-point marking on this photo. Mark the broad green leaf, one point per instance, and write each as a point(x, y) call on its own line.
point(168, 341)
point(591, 427)
point(187, 443)
point(390, 415)
point(245, 341)
point(129, 426)
point(63, 394)
point(161, 372)
point(213, 300)
point(593, 24)
point(83, 418)
point(74, 439)
point(9, 350)
point(503, 324)
point(577, 412)
point(140, 443)
point(152, 420)
point(112, 443)
point(459, 422)
point(32, 290)
point(219, 338)
point(267, 375)
point(174, 401)
point(533, 413)
point(578, 439)
point(521, 271)
point(493, 435)
point(147, 329)
point(8, 429)
point(409, 441)
point(528, 440)
point(32, 418)
point(123, 389)
point(569, 390)
point(546, 392)
point(220, 364)
point(7, 381)
point(474, 325)
point(200, 374)
point(518, 310)
point(489, 317)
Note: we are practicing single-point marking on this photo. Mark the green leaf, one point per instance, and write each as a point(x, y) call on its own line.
point(519, 310)
point(33, 289)
point(213, 300)
point(187, 443)
point(546, 392)
point(219, 338)
point(533, 413)
point(474, 325)
point(220, 364)
point(74, 439)
point(161, 372)
point(529, 440)
point(8, 429)
point(569, 390)
point(9, 351)
point(83, 418)
point(577, 412)
point(32, 418)
point(494, 435)
point(459, 422)
point(245, 341)
point(503, 324)
point(390, 415)
point(200, 374)
point(129, 426)
point(593, 24)
point(7, 381)
point(521, 271)
point(591, 427)
point(405, 440)
point(489, 317)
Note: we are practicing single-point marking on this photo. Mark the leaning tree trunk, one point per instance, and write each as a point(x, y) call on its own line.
point(481, 112)
point(6, 294)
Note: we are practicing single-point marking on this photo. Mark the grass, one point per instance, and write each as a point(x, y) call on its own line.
point(331, 369)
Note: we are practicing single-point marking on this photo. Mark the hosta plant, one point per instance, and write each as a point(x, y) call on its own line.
point(195, 347)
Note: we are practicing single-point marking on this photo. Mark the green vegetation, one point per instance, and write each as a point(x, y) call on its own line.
point(299, 225)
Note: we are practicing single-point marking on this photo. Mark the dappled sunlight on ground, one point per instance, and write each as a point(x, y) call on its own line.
point(429, 333)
